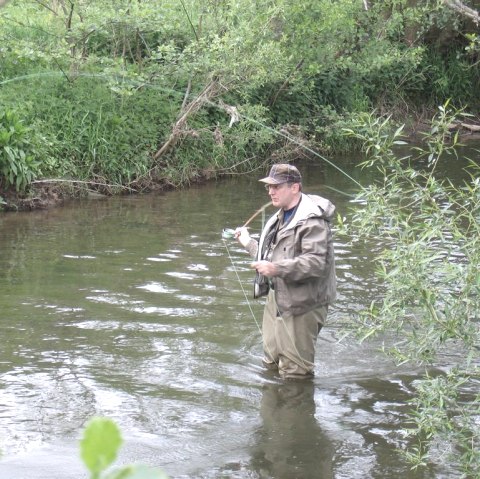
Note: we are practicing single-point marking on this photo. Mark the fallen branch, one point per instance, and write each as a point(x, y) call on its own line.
point(209, 92)
point(93, 183)
point(470, 127)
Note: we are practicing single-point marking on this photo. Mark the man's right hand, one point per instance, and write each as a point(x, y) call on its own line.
point(242, 236)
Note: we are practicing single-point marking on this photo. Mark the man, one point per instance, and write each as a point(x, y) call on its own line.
point(295, 255)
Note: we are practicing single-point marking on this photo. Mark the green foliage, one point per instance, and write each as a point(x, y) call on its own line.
point(443, 414)
point(99, 448)
point(450, 75)
point(208, 152)
point(91, 132)
point(430, 232)
point(18, 166)
point(104, 82)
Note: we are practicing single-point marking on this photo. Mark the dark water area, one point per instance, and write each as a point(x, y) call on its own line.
point(135, 308)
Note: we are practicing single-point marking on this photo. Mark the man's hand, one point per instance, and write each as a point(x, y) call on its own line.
point(265, 267)
point(242, 236)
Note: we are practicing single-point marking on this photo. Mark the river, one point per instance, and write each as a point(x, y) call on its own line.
point(135, 308)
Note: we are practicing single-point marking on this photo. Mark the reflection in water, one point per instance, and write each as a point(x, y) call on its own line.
point(290, 443)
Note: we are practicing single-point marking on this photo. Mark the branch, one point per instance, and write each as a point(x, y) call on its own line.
point(187, 94)
point(46, 6)
point(70, 15)
point(286, 82)
point(189, 20)
point(209, 92)
point(464, 10)
point(80, 182)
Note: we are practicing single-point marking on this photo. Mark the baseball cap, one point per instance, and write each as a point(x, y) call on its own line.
point(282, 173)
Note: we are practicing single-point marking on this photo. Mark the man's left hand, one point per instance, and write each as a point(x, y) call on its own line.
point(265, 267)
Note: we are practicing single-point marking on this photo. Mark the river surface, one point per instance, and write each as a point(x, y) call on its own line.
point(135, 308)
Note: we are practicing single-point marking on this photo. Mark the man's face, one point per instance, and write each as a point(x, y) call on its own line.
point(284, 195)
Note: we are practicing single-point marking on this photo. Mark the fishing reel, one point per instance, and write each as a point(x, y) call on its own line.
point(261, 286)
point(228, 233)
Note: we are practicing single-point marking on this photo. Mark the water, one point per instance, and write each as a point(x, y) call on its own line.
point(131, 308)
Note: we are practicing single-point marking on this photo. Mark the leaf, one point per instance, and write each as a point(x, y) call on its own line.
point(399, 131)
point(100, 443)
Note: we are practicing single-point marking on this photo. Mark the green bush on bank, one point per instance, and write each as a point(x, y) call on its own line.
point(104, 83)
point(18, 164)
point(93, 133)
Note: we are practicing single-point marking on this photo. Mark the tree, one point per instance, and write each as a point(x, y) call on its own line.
point(430, 234)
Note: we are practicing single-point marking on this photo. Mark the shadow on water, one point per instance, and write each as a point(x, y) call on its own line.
point(131, 308)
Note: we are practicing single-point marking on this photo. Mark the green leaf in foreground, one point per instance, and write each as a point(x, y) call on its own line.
point(100, 443)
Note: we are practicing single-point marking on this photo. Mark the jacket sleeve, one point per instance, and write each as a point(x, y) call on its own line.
point(252, 248)
point(305, 255)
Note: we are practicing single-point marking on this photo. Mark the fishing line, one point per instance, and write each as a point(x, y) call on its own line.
point(255, 319)
point(241, 285)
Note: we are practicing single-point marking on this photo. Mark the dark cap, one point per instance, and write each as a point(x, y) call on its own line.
point(282, 173)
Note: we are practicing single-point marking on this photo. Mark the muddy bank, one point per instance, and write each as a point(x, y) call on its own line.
point(46, 193)
point(36, 197)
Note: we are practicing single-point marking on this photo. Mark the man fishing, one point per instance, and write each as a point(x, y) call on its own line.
point(295, 269)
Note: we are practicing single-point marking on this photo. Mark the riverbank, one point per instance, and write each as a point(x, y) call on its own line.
point(49, 193)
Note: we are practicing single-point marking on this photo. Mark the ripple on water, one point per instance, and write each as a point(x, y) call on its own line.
point(170, 312)
point(156, 287)
point(103, 325)
point(180, 275)
point(198, 267)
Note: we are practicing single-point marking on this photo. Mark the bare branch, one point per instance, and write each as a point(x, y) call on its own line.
point(187, 94)
point(208, 93)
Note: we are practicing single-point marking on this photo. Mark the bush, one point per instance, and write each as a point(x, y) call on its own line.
point(18, 166)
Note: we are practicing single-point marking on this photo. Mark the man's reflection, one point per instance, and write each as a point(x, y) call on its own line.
point(290, 443)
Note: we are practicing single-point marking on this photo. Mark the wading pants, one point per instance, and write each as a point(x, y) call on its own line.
point(289, 341)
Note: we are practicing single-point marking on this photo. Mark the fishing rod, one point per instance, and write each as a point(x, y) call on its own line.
point(229, 233)
point(260, 210)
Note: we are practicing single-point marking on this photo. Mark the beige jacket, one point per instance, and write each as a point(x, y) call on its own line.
point(304, 256)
